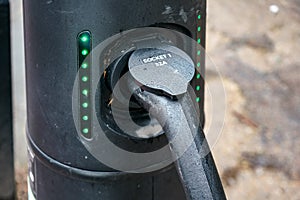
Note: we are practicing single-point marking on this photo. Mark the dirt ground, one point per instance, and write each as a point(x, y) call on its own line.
point(256, 52)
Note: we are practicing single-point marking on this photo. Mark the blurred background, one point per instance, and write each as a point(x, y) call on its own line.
point(255, 45)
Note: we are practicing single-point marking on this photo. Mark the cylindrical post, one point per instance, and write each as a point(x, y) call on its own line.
point(60, 167)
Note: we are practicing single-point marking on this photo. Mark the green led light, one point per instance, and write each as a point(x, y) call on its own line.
point(199, 16)
point(198, 88)
point(199, 41)
point(84, 78)
point(85, 118)
point(199, 53)
point(85, 130)
point(199, 28)
point(84, 65)
point(84, 38)
point(85, 105)
point(198, 76)
point(198, 64)
point(198, 99)
point(84, 52)
point(85, 92)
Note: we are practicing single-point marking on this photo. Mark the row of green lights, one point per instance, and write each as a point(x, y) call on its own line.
point(84, 79)
point(198, 63)
point(85, 38)
point(199, 29)
point(85, 117)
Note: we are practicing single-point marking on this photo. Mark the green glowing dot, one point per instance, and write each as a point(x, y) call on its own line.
point(198, 64)
point(85, 79)
point(85, 130)
point(199, 41)
point(198, 99)
point(85, 105)
point(198, 88)
point(84, 52)
point(85, 92)
point(199, 16)
point(199, 53)
point(199, 28)
point(85, 118)
point(84, 38)
point(198, 76)
point(84, 65)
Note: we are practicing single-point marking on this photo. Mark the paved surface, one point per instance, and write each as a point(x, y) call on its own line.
point(257, 54)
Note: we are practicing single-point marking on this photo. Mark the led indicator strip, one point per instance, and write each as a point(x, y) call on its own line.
point(198, 60)
point(84, 44)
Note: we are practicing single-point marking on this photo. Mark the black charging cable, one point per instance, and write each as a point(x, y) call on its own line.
point(162, 93)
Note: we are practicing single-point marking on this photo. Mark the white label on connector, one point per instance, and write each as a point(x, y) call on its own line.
point(157, 58)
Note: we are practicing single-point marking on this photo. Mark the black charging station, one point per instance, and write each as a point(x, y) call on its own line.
point(58, 37)
point(7, 182)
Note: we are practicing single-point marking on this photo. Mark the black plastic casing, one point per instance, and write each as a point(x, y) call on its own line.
point(58, 159)
point(7, 181)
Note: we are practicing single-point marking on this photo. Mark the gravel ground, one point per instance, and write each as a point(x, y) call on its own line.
point(256, 52)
